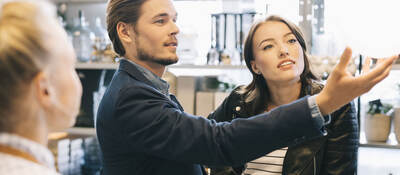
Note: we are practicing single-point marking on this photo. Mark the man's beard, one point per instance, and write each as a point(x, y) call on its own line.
point(142, 55)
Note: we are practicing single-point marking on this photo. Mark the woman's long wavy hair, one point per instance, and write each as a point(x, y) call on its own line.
point(256, 94)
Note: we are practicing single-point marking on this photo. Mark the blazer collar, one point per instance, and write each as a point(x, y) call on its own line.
point(131, 69)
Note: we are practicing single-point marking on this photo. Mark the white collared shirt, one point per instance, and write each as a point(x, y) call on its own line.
point(13, 165)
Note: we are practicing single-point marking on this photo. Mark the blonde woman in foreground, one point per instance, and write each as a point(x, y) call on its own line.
point(39, 89)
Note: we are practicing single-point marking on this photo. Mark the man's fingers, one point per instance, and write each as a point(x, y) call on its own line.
point(345, 58)
point(379, 72)
point(367, 81)
point(390, 62)
point(379, 61)
point(394, 58)
point(398, 57)
point(366, 65)
point(387, 70)
point(379, 78)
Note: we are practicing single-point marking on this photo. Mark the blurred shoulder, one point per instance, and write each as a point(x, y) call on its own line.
point(12, 165)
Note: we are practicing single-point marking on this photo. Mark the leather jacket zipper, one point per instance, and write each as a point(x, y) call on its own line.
point(315, 166)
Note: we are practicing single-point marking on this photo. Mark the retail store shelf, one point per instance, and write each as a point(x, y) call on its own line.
point(80, 1)
point(208, 66)
point(390, 143)
point(205, 70)
point(95, 65)
point(81, 131)
point(396, 66)
point(178, 66)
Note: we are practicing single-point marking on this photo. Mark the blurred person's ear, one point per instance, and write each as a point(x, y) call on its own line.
point(43, 91)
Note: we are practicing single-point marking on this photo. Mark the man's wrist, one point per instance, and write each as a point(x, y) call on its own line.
point(318, 117)
point(322, 104)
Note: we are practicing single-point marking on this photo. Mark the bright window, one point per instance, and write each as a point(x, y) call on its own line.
point(370, 27)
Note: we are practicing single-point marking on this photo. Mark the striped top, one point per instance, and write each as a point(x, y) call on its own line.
point(270, 164)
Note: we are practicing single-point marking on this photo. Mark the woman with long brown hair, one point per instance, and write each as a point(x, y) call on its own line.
point(276, 55)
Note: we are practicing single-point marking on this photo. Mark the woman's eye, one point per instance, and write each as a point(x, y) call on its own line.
point(292, 40)
point(267, 47)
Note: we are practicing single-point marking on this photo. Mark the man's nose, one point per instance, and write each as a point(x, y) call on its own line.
point(174, 29)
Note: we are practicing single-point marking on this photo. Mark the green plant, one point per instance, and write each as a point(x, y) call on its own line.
point(376, 107)
point(226, 87)
point(226, 84)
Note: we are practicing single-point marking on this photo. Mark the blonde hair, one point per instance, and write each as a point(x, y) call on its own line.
point(22, 51)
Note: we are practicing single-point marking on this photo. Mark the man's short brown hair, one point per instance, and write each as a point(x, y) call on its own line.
point(127, 11)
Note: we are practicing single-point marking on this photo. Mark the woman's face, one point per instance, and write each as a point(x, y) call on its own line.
point(278, 56)
point(65, 88)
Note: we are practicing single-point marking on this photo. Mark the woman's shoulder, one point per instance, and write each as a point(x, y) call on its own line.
point(235, 100)
point(13, 165)
point(237, 93)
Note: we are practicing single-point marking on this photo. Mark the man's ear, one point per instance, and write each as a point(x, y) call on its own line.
point(42, 89)
point(125, 33)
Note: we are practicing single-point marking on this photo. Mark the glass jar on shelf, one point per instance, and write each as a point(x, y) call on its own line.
point(100, 42)
point(82, 38)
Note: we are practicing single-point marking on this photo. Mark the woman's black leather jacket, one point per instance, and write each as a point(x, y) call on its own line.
point(335, 153)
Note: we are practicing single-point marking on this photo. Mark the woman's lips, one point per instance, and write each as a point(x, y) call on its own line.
point(286, 64)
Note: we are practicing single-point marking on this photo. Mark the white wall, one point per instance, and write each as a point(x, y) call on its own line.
point(370, 27)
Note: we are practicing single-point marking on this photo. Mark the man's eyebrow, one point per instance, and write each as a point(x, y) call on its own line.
point(160, 15)
point(164, 15)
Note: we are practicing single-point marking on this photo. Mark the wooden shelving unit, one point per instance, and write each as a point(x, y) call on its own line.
point(96, 65)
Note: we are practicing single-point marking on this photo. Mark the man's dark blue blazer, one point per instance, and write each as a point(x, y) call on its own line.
point(142, 132)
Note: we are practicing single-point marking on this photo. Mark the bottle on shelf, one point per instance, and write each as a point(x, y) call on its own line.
point(82, 38)
point(213, 54)
point(100, 42)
